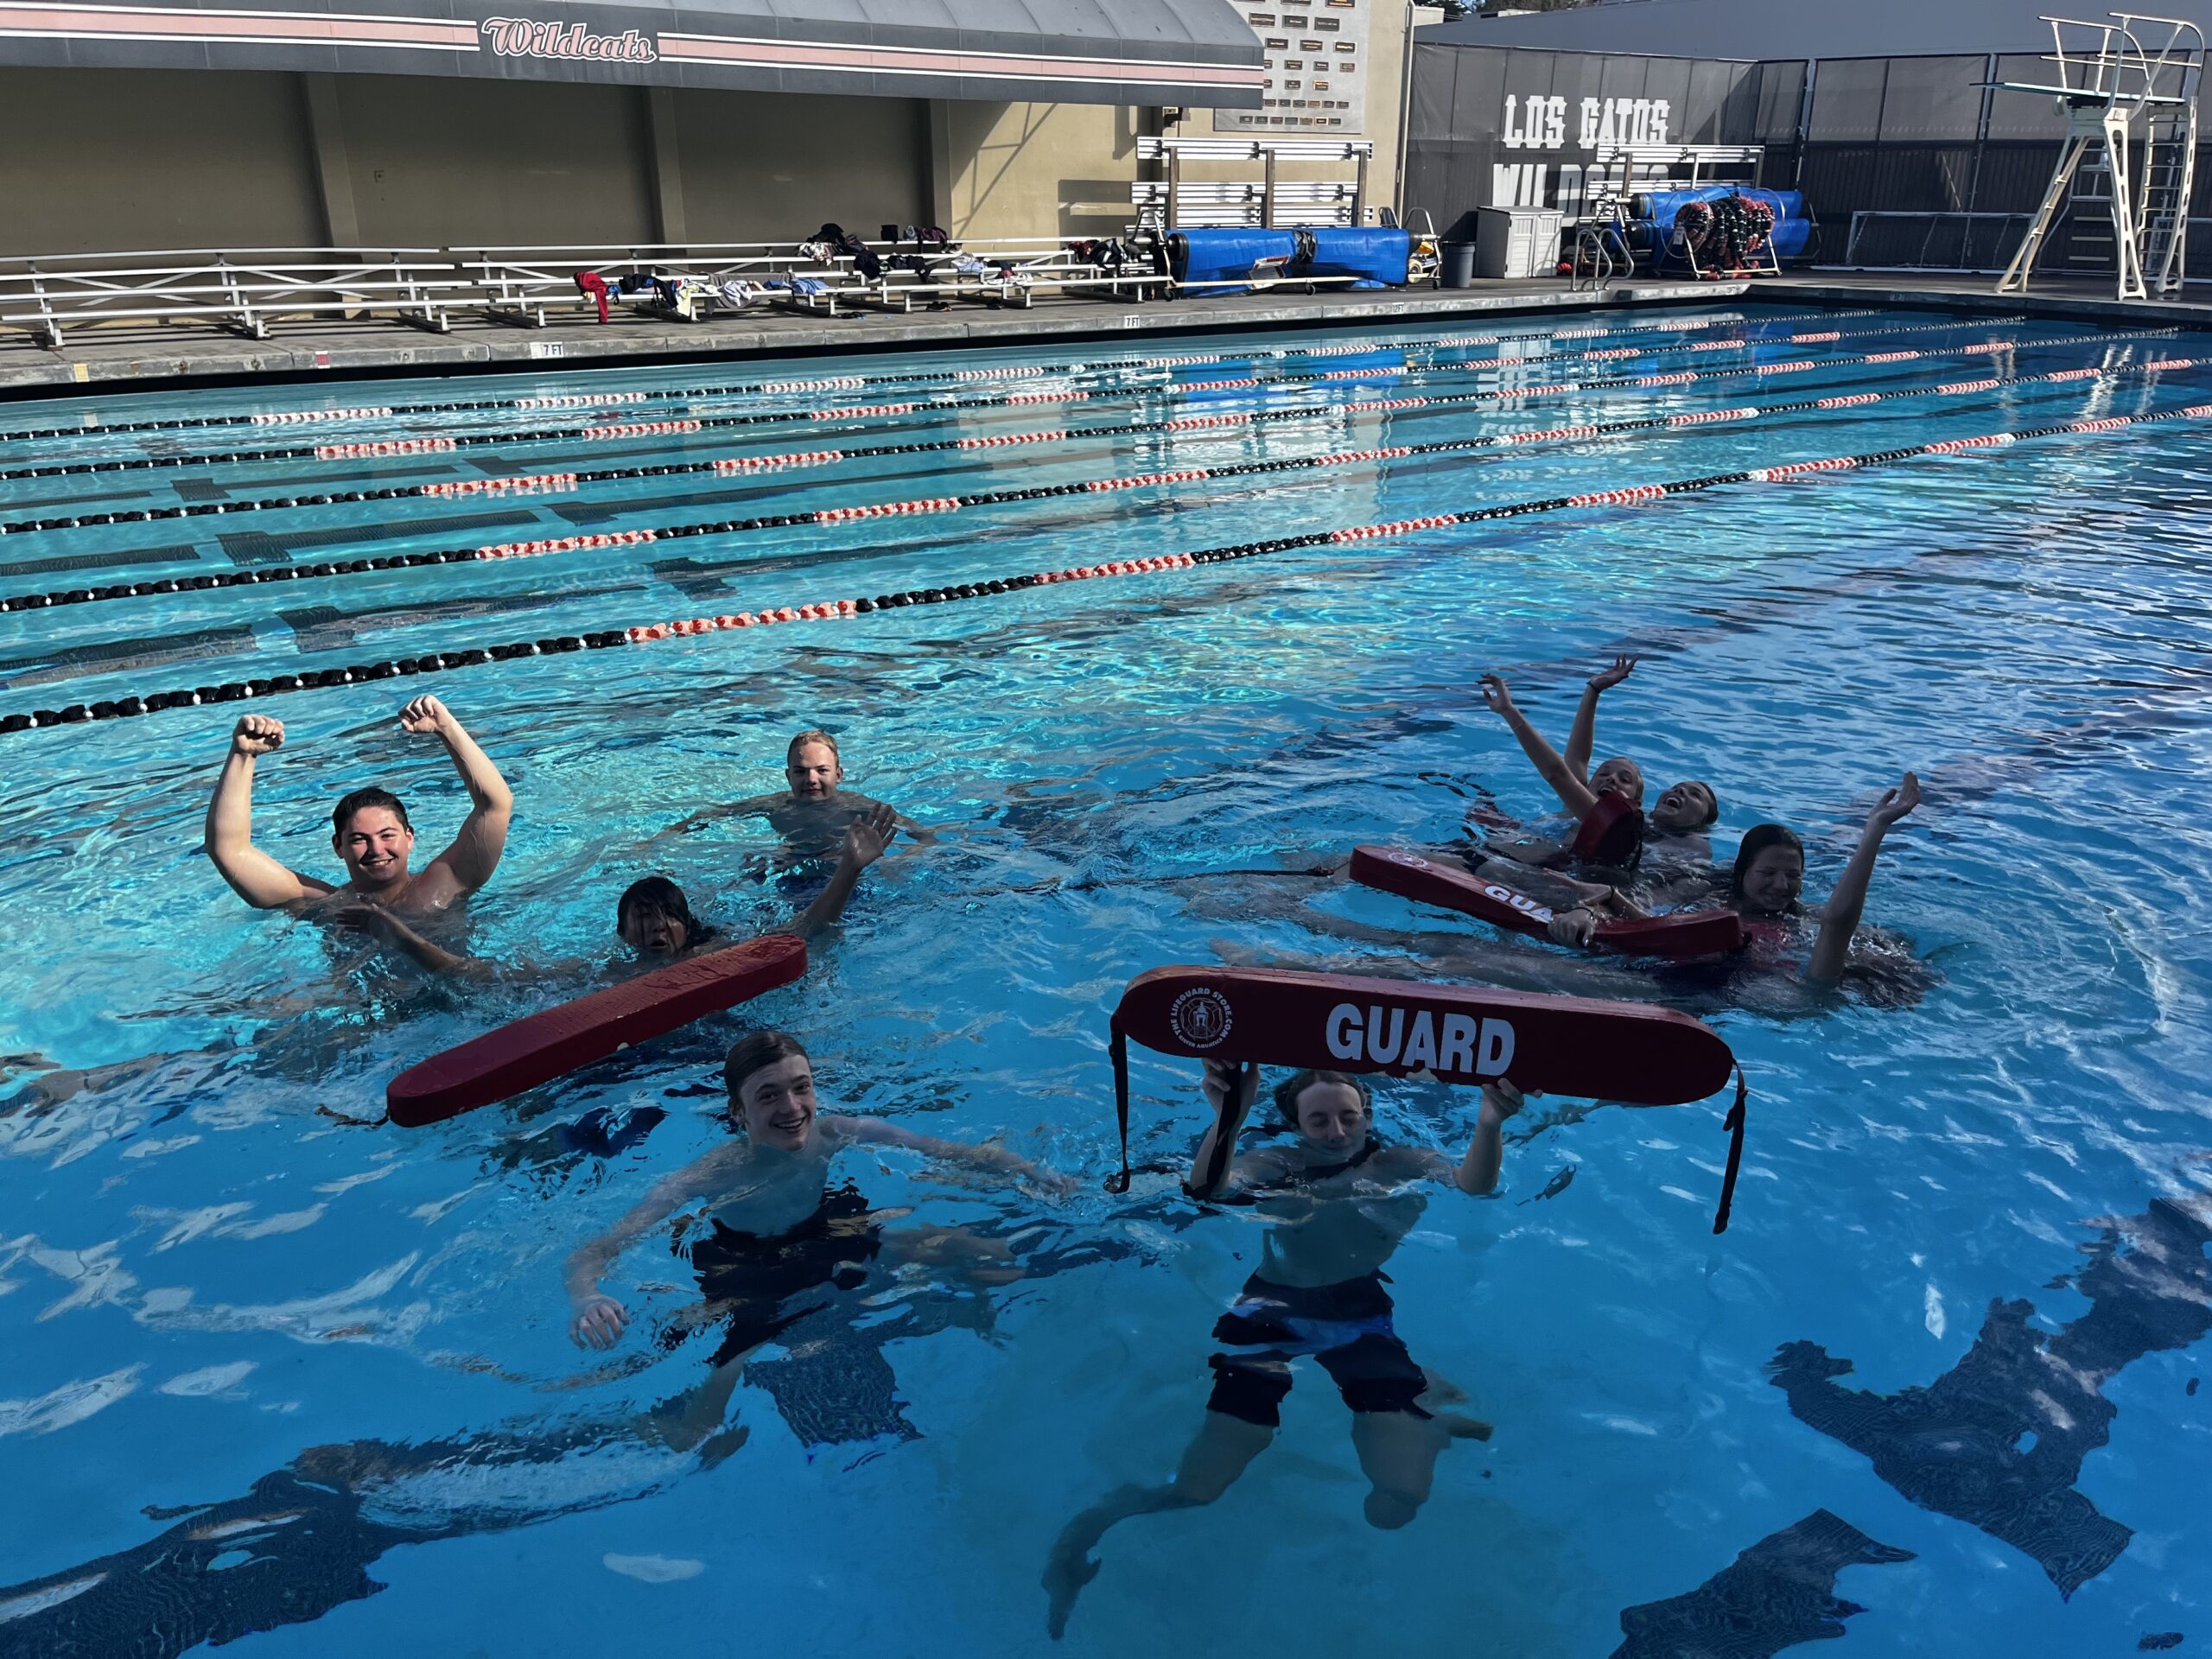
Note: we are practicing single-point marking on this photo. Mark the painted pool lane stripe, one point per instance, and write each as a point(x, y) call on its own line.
point(443, 445)
point(561, 481)
point(839, 609)
point(91, 423)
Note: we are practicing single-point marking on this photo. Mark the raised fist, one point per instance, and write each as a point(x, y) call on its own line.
point(256, 734)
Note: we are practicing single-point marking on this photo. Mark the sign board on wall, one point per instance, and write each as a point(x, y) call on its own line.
point(1316, 55)
point(1570, 136)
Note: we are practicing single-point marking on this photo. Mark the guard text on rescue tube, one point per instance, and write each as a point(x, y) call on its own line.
point(522, 37)
point(1456, 1042)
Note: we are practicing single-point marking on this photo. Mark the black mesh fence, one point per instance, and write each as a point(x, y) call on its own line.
point(1904, 161)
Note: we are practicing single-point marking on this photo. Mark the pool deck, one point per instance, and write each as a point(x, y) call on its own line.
point(148, 357)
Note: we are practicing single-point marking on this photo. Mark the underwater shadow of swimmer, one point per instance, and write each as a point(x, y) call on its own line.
point(1776, 1594)
point(299, 1542)
point(831, 1384)
point(1998, 1439)
point(293, 1548)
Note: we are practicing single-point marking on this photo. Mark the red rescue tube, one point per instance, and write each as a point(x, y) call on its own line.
point(555, 1041)
point(1611, 831)
point(1703, 933)
point(1628, 1052)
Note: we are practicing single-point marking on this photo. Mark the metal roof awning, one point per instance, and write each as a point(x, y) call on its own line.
point(1197, 52)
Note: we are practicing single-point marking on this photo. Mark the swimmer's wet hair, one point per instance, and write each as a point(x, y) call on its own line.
point(1288, 1090)
point(341, 816)
point(755, 1052)
point(1757, 840)
point(656, 895)
point(791, 753)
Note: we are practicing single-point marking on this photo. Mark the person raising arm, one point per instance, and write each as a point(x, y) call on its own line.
point(369, 828)
point(1840, 917)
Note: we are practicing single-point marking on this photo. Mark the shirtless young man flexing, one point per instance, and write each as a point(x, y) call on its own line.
point(370, 834)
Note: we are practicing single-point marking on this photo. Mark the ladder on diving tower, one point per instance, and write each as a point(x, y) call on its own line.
point(2131, 144)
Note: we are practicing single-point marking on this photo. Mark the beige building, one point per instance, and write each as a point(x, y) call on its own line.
point(607, 125)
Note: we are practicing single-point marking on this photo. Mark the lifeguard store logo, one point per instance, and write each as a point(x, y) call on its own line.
point(1200, 1017)
point(521, 37)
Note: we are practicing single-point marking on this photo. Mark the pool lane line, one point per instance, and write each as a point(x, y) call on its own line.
point(1654, 424)
point(846, 382)
point(618, 431)
point(841, 609)
point(559, 482)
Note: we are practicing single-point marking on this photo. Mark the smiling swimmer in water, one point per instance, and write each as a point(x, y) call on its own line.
point(1763, 889)
point(779, 1240)
point(655, 919)
point(811, 814)
point(1340, 1201)
point(372, 837)
point(1683, 811)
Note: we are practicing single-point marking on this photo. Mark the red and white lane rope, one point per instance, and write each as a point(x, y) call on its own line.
point(608, 431)
point(1645, 425)
point(90, 422)
point(842, 608)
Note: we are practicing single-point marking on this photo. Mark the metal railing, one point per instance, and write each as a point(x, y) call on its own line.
point(245, 290)
point(1976, 242)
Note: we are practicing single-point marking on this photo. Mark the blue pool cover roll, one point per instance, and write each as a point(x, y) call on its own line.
point(1227, 254)
point(1377, 258)
point(1793, 229)
point(1380, 259)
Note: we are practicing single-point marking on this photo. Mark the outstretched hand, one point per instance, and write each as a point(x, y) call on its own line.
point(256, 734)
point(598, 1323)
point(1495, 697)
point(1895, 802)
point(1606, 679)
point(373, 919)
point(423, 715)
point(866, 836)
point(1576, 927)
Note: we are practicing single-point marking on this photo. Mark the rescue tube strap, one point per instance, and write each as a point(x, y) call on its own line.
point(1117, 1046)
point(1735, 1127)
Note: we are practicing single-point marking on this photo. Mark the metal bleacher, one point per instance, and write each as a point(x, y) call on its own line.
point(1264, 203)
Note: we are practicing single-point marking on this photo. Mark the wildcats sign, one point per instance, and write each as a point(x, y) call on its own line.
point(525, 37)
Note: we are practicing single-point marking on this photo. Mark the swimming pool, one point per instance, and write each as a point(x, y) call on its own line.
point(228, 1286)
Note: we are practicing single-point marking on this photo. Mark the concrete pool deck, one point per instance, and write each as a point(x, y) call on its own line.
point(150, 356)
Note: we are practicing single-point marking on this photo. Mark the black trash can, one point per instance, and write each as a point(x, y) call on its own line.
point(1457, 269)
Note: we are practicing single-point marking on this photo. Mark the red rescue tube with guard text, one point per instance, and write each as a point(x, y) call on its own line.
point(555, 1041)
point(1703, 933)
point(1631, 1052)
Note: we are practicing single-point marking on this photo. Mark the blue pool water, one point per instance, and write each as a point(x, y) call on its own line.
point(268, 1365)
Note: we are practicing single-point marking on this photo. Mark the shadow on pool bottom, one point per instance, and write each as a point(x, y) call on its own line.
point(1997, 1442)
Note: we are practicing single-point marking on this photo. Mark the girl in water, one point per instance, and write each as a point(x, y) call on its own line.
point(1764, 888)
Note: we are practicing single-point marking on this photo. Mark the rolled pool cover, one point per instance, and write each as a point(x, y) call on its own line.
point(1377, 256)
point(1700, 933)
point(1227, 255)
point(1627, 1051)
point(555, 1041)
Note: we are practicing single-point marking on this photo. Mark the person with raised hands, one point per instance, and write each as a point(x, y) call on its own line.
point(1763, 886)
point(1340, 1199)
point(372, 837)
